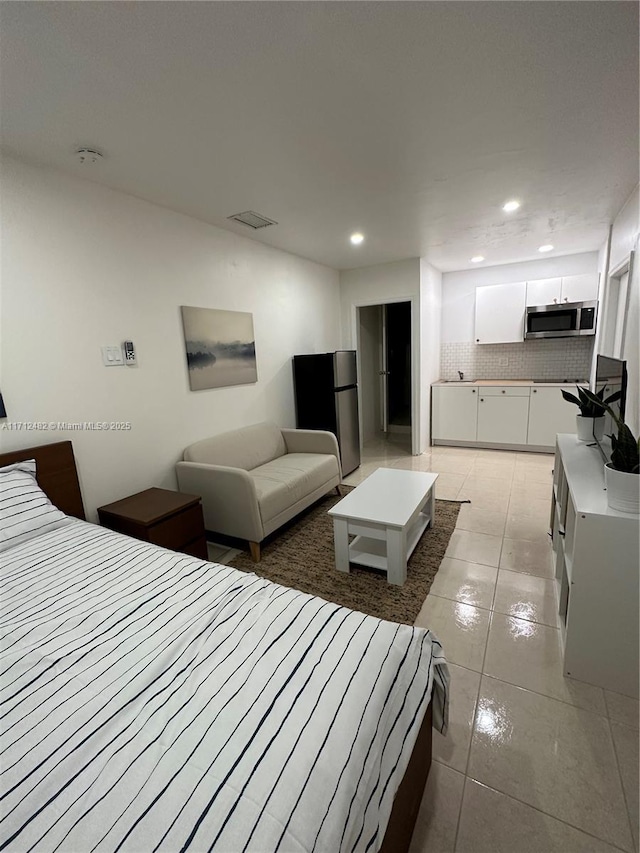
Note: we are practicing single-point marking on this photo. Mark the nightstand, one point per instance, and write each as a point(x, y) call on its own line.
point(170, 519)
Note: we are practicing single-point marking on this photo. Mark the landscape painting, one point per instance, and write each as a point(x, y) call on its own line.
point(220, 346)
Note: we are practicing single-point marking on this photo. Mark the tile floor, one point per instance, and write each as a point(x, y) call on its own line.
point(533, 762)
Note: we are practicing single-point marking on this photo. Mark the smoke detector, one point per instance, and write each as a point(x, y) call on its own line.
point(252, 219)
point(88, 155)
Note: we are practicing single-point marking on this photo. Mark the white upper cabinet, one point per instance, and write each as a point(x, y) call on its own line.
point(569, 288)
point(580, 288)
point(544, 291)
point(500, 312)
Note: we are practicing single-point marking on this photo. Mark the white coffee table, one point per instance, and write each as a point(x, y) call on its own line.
point(387, 513)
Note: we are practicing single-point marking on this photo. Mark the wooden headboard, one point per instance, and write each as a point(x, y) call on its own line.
point(56, 473)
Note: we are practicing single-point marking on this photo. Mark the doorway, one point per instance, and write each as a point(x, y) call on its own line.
point(396, 332)
point(616, 310)
point(385, 362)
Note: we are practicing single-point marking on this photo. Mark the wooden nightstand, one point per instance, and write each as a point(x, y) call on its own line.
point(170, 519)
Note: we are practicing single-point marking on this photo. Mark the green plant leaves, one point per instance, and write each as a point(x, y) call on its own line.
point(626, 451)
point(591, 405)
point(570, 398)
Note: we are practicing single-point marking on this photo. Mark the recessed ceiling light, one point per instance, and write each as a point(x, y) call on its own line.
point(357, 238)
point(546, 248)
point(510, 206)
point(476, 259)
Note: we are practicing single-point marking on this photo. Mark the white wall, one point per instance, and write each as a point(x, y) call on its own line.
point(624, 232)
point(625, 238)
point(631, 349)
point(84, 266)
point(603, 265)
point(393, 282)
point(430, 329)
point(374, 285)
point(458, 288)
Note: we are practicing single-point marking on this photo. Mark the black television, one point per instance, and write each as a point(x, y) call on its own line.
point(611, 374)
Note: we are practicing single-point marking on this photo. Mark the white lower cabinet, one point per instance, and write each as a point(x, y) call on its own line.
point(502, 419)
point(550, 414)
point(454, 415)
point(501, 414)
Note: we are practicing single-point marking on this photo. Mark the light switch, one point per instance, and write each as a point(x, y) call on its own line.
point(112, 356)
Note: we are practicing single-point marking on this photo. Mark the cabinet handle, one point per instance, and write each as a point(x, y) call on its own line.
point(477, 340)
point(504, 392)
point(535, 391)
point(482, 399)
point(566, 299)
point(473, 391)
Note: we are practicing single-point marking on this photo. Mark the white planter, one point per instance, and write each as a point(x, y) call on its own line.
point(623, 490)
point(589, 429)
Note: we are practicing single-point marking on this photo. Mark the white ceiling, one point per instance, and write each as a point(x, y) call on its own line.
point(411, 122)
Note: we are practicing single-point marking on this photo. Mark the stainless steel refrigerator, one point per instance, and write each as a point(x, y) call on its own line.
point(326, 394)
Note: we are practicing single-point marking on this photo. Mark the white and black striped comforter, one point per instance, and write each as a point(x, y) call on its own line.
point(152, 701)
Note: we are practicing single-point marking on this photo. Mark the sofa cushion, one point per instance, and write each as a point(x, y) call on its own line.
point(284, 481)
point(246, 448)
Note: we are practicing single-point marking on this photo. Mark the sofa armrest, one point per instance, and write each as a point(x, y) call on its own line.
point(229, 499)
point(312, 441)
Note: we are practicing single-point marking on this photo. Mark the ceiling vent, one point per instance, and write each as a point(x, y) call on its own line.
point(252, 219)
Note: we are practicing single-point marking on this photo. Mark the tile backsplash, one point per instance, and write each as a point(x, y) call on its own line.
point(563, 358)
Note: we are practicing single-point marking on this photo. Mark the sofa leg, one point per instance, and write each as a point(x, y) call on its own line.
point(254, 547)
point(338, 492)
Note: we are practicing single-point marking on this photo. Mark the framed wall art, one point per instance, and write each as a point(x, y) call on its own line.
point(220, 347)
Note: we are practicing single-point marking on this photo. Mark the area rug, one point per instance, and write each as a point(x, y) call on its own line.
point(302, 556)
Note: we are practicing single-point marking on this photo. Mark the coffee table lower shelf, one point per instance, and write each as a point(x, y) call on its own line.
point(366, 551)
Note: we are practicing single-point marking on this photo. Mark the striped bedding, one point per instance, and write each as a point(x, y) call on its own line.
point(153, 701)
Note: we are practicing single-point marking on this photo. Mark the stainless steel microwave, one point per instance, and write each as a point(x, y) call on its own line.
point(563, 320)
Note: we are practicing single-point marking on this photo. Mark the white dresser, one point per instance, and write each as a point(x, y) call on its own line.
point(597, 568)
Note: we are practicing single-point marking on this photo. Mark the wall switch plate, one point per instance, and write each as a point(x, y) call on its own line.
point(112, 356)
point(503, 361)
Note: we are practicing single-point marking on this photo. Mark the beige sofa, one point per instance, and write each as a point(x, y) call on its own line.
point(252, 480)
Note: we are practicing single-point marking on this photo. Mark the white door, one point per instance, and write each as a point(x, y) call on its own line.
point(502, 420)
point(384, 372)
point(580, 288)
point(550, 414)
point(500, 312)
point(454, 413)
point(544, 291)
point(369, 369)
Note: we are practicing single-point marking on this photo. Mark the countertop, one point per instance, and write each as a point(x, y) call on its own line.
point(517, 383)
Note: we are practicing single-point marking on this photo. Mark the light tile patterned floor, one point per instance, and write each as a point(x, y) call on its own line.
point(533, 762)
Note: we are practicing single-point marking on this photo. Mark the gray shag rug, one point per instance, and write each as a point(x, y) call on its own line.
point(302, 556)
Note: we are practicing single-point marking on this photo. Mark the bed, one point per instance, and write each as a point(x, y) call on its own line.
point(154, 701)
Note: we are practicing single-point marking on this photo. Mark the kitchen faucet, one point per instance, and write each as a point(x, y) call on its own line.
point(461, 375)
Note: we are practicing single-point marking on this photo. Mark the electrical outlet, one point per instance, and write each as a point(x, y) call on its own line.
point(503, 361)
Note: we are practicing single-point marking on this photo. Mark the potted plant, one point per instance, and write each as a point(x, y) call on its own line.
point(622, 474)
point(590, 421)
